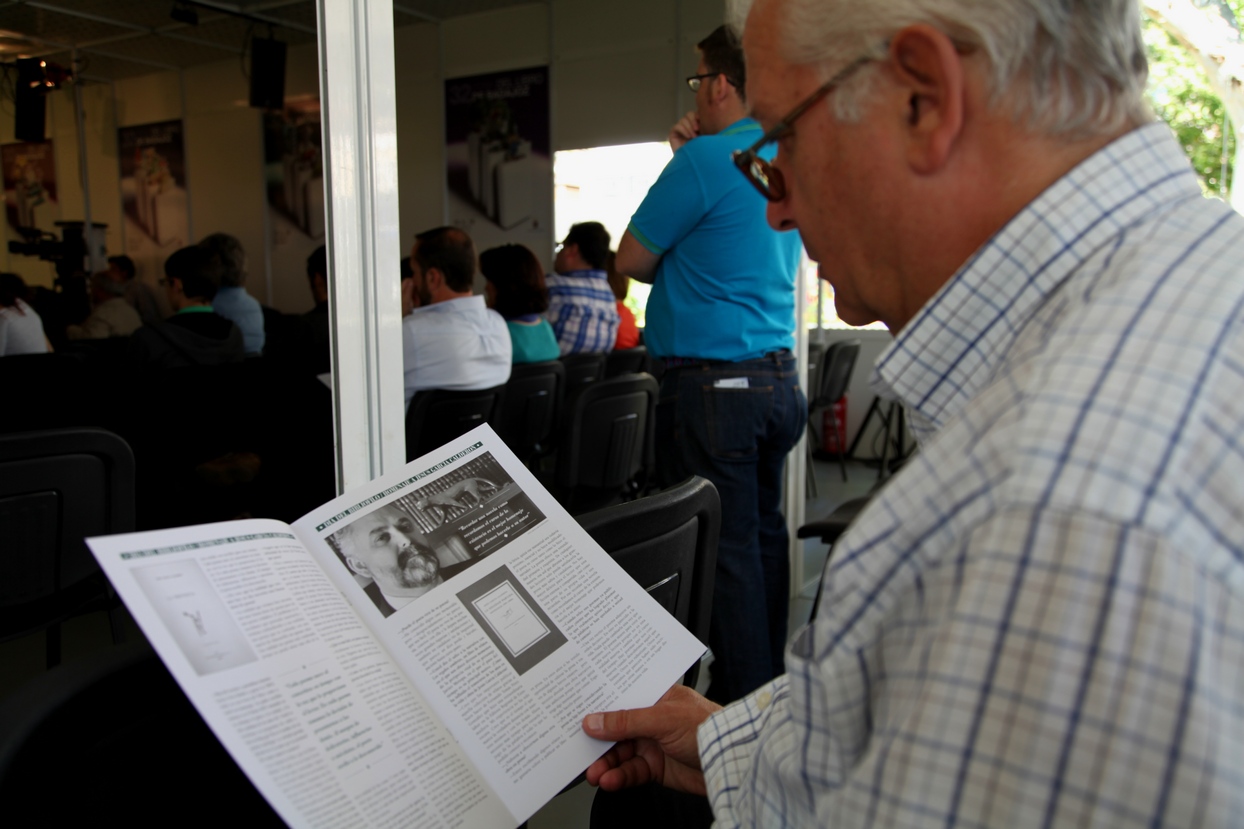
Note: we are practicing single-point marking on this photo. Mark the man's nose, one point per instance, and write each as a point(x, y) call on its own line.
point(780, 216)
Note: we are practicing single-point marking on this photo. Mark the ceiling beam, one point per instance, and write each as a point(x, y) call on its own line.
point(133, 27)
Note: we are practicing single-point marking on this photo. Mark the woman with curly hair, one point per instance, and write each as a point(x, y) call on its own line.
point(515, 289)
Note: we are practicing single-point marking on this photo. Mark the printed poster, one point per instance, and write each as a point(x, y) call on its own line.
point(294, 168)
point(500, 171)
point(29, 184)
point(154, 202)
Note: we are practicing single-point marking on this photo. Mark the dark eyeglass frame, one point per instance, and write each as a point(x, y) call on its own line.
point(694, 81)
point(763, 175)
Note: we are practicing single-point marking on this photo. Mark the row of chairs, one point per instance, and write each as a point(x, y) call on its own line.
point(599, 426)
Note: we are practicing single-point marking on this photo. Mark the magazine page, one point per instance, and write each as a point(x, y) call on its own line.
point(510, 620)
point(292, 682)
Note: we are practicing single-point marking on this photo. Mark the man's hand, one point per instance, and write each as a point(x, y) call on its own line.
point(688, 127)
point(656, 745)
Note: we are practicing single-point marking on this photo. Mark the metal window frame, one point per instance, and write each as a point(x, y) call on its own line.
point(359, 123)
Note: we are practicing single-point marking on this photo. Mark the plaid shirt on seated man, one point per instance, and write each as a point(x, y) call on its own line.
point(582, 309)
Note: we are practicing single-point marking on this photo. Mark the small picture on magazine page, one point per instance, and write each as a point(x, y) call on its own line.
point(418, 540)
point(519, 627)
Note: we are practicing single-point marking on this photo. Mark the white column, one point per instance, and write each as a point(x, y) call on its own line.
point(360, 181)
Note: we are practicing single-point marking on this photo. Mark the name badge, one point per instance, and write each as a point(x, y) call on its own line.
point(731, 383)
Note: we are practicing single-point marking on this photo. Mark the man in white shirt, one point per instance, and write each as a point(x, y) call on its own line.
point(1040, 620)
point(452, 340)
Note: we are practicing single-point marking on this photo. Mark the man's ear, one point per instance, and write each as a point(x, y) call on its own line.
point(359, 567)
point(434, 279)
point(930, 70)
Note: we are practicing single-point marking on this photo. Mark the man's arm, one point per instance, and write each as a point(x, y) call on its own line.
point(635, 260)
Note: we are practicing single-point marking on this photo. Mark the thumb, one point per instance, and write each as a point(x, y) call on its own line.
point(619, 725)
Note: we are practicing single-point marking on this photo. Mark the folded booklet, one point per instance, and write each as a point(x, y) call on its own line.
point(417, 652)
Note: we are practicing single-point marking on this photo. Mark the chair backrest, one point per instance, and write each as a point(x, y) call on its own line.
point(57, 487)
point(75, 739)
point(626, 361)
point(582, 369)
point(608, 433)
point(437, 416)
point(533, 400)
point(816, 353)
point(836, 368)
point(43, 391)
point(667, 542)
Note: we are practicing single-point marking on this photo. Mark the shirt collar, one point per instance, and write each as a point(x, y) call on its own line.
point(741, 125)
point(462, 303)
point(949, 351)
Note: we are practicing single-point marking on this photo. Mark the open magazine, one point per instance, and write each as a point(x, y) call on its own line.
point(419, 652)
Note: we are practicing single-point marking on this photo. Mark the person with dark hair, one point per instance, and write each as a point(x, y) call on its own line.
point(409, 301)
point(150, 302)
point(582, 309)
point(111, 315)
point(452, 340)
point(232, 301)
point(195, 334)
point(721, 316)
point(620, 284)
point(515, 289)
point(317, 318)
point(21, 329)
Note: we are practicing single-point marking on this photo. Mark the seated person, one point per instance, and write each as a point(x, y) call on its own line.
point(317, 318)
point(582, 308)
point(452, 340)
point(21, 329)
point(150, 302)
point(620, 283)
point(195, 334)
point(232, 301)
point(515, 289)
point(112, 316)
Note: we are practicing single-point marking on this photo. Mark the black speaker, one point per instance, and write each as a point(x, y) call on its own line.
point(29, 102)
point(267, 73)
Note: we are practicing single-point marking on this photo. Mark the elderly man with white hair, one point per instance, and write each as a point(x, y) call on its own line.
point(1038, 622)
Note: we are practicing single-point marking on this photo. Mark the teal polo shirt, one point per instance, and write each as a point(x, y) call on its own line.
point(725, 284)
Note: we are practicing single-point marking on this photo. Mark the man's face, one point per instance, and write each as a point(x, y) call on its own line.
point(421, 291)
point(702, 109)
point(834, 174)
point(384, 545)
point(560, 259)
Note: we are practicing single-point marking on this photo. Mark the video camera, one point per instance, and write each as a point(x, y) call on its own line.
point(76, 254)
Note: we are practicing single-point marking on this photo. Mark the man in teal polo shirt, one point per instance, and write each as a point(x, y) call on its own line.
point(722, 317)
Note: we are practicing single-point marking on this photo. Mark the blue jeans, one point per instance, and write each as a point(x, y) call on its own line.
point(734, 424)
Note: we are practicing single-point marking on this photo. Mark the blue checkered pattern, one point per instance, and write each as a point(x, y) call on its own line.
point(582, 311)
point(1038, 622)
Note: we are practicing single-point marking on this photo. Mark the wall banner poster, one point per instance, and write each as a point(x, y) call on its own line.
point(500, 172)
point(154, 202)
point(29, 184)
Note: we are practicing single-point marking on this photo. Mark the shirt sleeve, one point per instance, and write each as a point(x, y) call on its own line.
point(674, 204)
point(1061, 668)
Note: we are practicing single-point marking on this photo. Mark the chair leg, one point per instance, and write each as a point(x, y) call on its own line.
point(842, 458)
point(810, 489)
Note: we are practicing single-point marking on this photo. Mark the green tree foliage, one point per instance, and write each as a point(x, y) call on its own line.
point(1179, 93)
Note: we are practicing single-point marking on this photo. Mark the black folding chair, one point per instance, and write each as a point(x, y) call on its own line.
point(532, 405)
point(667, 542)
point(56, 488)
point(437, 416)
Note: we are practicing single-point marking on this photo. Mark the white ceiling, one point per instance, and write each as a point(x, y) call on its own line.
point(123, 38)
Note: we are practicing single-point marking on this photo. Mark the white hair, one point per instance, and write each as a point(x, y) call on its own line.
point(1061, 67)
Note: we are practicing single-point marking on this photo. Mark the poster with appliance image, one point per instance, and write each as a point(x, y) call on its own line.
point(500, 171)
point(294, 168)
point(29, 184)
point(154, 201)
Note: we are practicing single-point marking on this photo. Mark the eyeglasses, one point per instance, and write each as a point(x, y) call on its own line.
point(764, 176)
point(695, 80)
